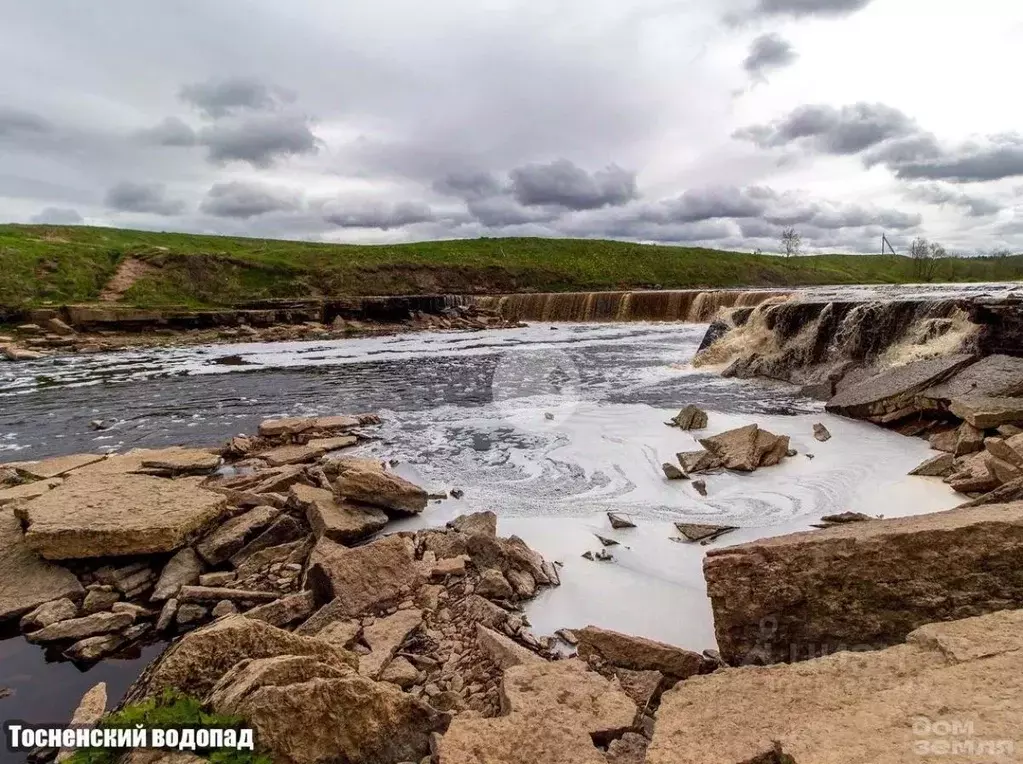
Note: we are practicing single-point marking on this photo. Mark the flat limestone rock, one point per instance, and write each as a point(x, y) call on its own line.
point(338, 521)
point(56, 467)
point(26, 581)
point(988, 412)
point(310, 452)
point(79, 628)
point(275, 428)
point(115, 515)
point(28, 491)
point(894, 391)
point(183, 569)
point(791, 597)
point(995, 375)
point(887, 706)
point(972, 474)
point(182, 461)
point(90, 709)
point(384, 490)
point(228, 539)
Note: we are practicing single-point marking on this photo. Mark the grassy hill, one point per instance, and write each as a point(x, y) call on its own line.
point(75, 264)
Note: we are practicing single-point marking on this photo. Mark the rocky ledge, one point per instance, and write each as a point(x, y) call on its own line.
point(87, 329)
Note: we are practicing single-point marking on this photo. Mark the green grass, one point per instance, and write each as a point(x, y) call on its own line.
point(71, 264)
point(169, 711)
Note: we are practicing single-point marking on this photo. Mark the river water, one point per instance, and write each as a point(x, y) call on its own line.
point(550, 426)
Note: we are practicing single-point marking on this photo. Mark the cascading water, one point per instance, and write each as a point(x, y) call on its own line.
point(696, 306)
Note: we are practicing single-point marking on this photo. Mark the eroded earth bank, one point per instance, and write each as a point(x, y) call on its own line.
point(309, 585)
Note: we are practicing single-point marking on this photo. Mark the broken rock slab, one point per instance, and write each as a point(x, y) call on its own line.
point(228, 539)
point(864, 584)
point(181, 461)
point(553, 712)
point(384, 637)
point(937, 466)
point(88, 713)
point(695, 462)
point(114, 515)
point(309, 452)
point(689, 418)
point(28, 491)
point(988, 412)
point(747, 448)
point(637, 653)
point(195, 663)
point(888, 706)
point(183, 569)
point(79, 628)
point(697, 532)
point(338, 521)
point(993, 375)
point(311, 713)
point(891, 395)
point(26, 580)
point(364, 578)
point(382, 489)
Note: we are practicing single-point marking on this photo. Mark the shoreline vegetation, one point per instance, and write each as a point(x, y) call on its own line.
point(51, 265)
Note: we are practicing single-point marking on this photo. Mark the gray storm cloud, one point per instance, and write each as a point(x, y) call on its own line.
point(767, 53)
point(143, 197)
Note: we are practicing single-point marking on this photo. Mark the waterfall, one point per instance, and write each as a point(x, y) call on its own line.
point(697, 306)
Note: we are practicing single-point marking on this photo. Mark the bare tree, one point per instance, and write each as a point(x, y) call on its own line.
point(925, 255)
point(791, 241)
point(1002, 253)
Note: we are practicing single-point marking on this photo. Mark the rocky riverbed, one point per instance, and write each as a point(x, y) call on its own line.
point(327, 569)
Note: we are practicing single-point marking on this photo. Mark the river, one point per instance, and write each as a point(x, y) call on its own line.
point(550, 426)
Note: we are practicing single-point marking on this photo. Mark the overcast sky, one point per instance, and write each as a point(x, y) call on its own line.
point(716, 122)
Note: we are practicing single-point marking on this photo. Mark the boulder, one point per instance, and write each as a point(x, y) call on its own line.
point(637, 653)
point(644, 687)
point(309, 452)
point(1008, 449)
point(862, 584)
point(79, 628)
point(183, 569)
point(49, 613)
point(944, 440)
point(937, 466)
point(911, 701)
point(747, 448)
point(113, 515)
point(26, 581)
point(365, 578)
point(671, 472)
point(98, 600)
point(970, 474)
point(618, 522)
point(493, 585)
point(27, 491)
point(382, 489)
point(92, 649)
point(252, 564)
point(401, 673)
point(195, 663)
point(969, 440)
point(690, 418)
point(477, 522)
point(228, 539)
point(553, 712)
point(695, 462)
point(821, 433)
point(384, 636)
point(891, 394)
point(1002, 471)
point(338, 521)
point(308, 714)
point(90, 710)
point(988, 412)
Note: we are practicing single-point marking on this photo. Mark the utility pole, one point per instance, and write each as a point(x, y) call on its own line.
point(886, 243)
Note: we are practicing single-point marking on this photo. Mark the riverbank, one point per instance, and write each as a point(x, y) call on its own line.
point(54, 265)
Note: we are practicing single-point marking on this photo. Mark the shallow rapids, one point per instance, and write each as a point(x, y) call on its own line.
point(549, 426)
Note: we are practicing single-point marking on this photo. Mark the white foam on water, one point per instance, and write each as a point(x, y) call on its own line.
point(655, 586)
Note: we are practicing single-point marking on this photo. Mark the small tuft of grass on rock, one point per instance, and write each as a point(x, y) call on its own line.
point(171, 710)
